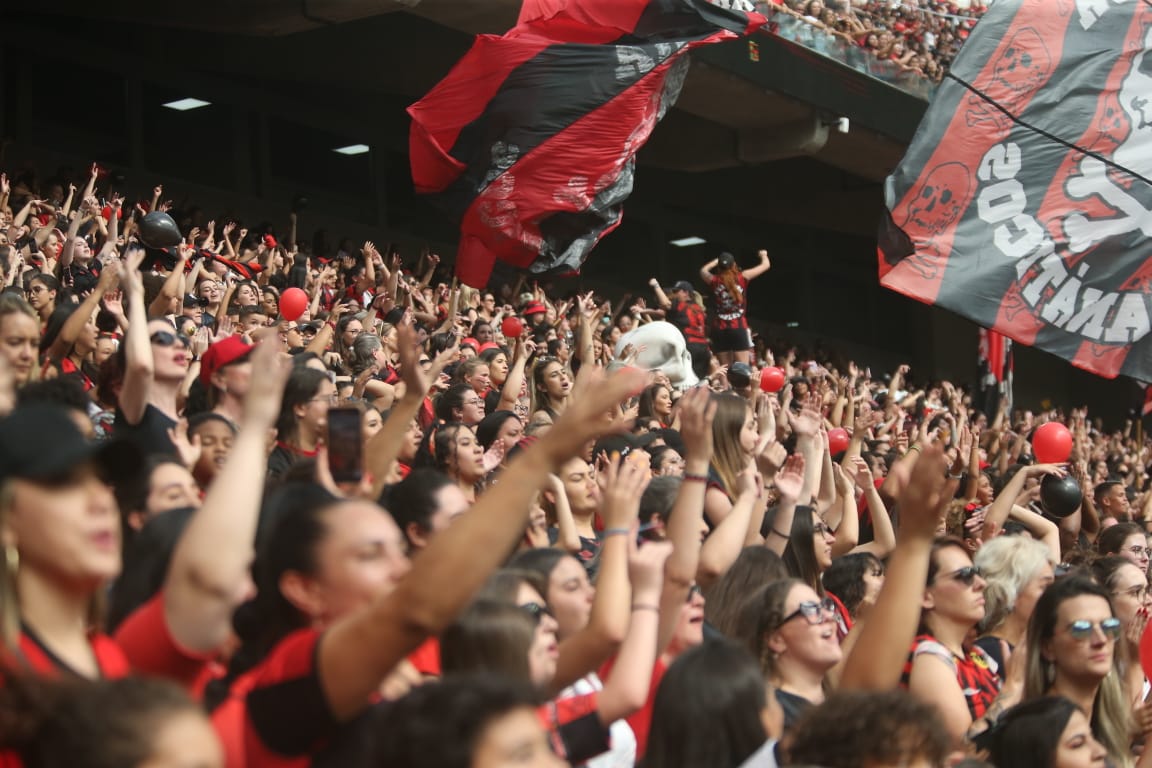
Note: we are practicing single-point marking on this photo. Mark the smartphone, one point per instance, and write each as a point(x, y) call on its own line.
point(345, 446)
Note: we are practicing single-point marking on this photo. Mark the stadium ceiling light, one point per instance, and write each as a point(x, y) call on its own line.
point(352, 149)
point(183, 105)
point(686, 241)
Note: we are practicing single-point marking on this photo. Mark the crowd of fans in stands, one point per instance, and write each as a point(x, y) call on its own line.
point(919, 36)
point(529, 550)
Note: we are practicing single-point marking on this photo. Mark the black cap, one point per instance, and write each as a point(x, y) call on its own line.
point(41, 443)
point(726, 260)
point(683, 285)
point(739, 375)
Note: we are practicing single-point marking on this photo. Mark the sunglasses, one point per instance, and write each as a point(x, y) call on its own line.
point(169, 339)
point(967, 575)
point(1082, 629)
point(812, 611)
point(536, 611)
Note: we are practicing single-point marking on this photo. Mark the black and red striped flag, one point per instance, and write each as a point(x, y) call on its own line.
point(530, 141)
point(1025, 202)
point(996, 369)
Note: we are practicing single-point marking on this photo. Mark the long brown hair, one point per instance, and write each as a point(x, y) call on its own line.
point(728, 458)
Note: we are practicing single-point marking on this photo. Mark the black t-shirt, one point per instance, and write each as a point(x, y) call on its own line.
point(150, 435)
point(794, 706)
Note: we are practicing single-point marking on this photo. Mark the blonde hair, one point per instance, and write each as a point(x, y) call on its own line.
point(728, 458)
point(1007, 563)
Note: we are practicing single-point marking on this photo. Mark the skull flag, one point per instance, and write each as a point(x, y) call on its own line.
point(530, 141)
point(1024, 202)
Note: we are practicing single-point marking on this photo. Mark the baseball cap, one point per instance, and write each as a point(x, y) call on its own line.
point(739, 375)
point(683, 285)
point(534, 308)
point(726, 260)
point(40, 442)
point(224, 352)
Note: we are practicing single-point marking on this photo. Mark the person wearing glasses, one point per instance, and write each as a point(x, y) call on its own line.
point(1126, 540)
point(1132, 601)
point(41, 294)
point(792, 631)
point(944, 669)
point(1071, 652)
point(303, 420)
point(155, 360)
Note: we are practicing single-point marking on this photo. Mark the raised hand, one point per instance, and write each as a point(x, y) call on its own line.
point(790, 479)
point(188, 450)
point(924, 498)
point(624, 484)
point(697, 411)
point(494, 455)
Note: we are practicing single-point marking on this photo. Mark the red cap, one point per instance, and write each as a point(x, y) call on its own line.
point(222, 353)
point(487, 346)
point(534, 308)
point(470, 342)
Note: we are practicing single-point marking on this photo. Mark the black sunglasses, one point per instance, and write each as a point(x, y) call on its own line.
point(168, 339)
point(967, 574)
point(536, 611)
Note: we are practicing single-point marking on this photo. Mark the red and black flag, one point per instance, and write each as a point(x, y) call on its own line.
point(1024, 202)
point(530, 141)
point(996, 366)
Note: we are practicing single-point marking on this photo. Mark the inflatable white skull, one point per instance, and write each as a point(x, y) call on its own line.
point(662, 349)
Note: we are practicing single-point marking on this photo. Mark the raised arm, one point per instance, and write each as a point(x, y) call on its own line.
point(877, 660)
point(171, 289)
point(706, 270)
point(362, 649)
point(661, 297)
point(137, 386)
point(1001, 506)
point(210, 564)
point(759, 269)
point(81, 317)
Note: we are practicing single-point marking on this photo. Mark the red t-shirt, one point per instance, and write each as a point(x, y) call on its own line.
point(149, 646)
point(276, 715)
point(33, 656)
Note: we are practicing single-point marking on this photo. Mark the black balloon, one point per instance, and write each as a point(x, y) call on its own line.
point(1060, 496)
point(158, 230)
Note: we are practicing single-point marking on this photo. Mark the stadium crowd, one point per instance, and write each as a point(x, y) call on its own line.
point(921, 37)
point(266, 501)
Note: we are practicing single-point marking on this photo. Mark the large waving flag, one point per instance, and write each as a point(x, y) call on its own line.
point(1024, 202)
point(530, 141)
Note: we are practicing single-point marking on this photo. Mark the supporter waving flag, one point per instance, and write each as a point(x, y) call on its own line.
point(1024, 202)
point(531, 139)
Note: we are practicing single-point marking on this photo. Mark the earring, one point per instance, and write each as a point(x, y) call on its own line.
point(11, 561)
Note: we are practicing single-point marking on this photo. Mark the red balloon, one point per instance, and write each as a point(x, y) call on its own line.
point(771, 379)
point(293, 302)
point(512, 327)
point(838, 440)
point(1146, 650)
point(1052, 443)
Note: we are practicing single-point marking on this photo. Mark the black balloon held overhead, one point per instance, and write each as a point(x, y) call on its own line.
point(158, 230)
point(1060, 496)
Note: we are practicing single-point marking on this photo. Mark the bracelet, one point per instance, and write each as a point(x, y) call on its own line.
point(645, 607)
point(913, 447)
point(614, 532)
point(957, 476)
point(688, 477)
point(781, 535)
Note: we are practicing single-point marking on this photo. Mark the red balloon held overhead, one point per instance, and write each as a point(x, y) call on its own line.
point(1052, 443)
point(838, 440)
point(771, 379)
point(293, 302)
point(511, 327)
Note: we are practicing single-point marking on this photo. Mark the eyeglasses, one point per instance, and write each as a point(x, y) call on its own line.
point(1140, 592)
point(1082, 629)
point(168, 339)
point(812, 611)
point(331, 399)
point(1140, 551)
point(536, 611)
point(967, 575)
point(473, 402)
point(822, 528)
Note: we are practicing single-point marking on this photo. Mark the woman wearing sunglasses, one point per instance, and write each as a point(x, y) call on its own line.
point(1071, 652)
point(792, 631)
point(944, 668)
point(155, 361)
